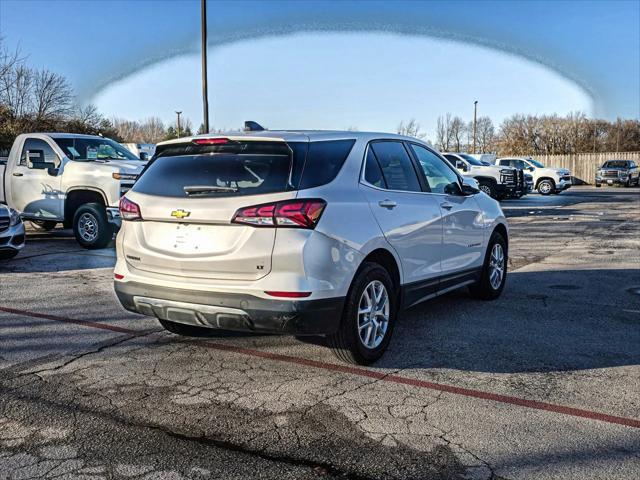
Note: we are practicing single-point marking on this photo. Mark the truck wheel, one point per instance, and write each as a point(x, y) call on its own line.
point(182, 329)
point(487, 187)
point(546, 187)
point(368, 317)
point(627, 184)
point(494, 270)
point(598, 185)
point(91, 226)
point(44, 224)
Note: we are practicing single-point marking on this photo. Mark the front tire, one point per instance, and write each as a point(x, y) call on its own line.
point(494, 270)
point(546, 187)
point(368, 317)
point(487, 187)
point(91, 226)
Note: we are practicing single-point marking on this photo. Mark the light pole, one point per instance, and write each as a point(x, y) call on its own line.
point(475, 122)
point(178, 114)
point(205, 92)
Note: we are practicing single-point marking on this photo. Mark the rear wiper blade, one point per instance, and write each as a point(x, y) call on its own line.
point(204, 189)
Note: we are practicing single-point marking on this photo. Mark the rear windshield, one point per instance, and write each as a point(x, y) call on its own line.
point(241, 168)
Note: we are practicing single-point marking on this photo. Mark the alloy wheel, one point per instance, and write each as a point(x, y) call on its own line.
point(496, 266)
point(373, 314)
point(88, 227)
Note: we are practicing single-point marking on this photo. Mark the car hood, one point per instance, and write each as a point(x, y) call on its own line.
point(490, 168)
point(122, 166)
point(614, 169)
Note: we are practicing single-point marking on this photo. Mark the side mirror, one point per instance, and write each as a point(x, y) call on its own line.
point(531, 169)
point(41, 165)
point(469, 186)
point(461, 165)
point(144, 156)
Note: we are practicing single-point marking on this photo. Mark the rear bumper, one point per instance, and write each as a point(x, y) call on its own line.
point(232, 311)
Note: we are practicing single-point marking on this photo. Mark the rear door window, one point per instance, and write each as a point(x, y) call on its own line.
point(396, 165)
point(232, 170)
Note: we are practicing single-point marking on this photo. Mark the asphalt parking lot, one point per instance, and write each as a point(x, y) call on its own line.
point(543, 383)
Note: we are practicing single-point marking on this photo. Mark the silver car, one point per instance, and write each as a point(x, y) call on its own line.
point(11, 232)
point(305, 233)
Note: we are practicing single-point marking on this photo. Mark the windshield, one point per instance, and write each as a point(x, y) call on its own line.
point(471, 160)
point(535, 162)
point(93, 149)
point(615, 164)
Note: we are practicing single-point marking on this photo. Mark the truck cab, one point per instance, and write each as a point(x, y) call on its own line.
point(72, 179)
point(497, 182)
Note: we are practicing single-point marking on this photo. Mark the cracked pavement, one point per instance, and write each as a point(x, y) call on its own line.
point(81, 401)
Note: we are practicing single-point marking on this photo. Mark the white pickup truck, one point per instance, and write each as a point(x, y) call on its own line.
point(497, 182)
point(547, 180)
point(72, 179)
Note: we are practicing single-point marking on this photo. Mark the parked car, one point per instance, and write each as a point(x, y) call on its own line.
point(306, 233)
point(69, 178)
point(547, 180)
point(11, 232)
point(497, 182)
point(620, 172)
point(144, 151)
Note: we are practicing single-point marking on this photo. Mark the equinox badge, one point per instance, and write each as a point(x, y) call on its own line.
point(180, 214)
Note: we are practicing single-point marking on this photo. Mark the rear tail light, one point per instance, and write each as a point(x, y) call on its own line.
point(288, 294)
point(291, 213)
point(129, 210)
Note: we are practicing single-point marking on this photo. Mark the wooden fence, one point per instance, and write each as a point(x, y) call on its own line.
point(583, 166)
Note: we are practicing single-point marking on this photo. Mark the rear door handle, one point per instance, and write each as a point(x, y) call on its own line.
point(387, 204)
point(16, 174)
point(446, 206)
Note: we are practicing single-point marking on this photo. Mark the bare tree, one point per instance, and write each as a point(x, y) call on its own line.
point(52, 95)
point(410, 129)
point(443, 132)
point(485, 135)
point(457, 130)
point(153, 130)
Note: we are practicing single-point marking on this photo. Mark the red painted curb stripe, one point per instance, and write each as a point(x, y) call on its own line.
point(362, 372)
point(84, 323)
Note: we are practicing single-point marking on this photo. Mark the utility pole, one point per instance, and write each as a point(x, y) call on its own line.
point(205, 89)
point(178, 114)
point(475, 124)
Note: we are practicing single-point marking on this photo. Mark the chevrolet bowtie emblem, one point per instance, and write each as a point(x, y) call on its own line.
point(180, 214)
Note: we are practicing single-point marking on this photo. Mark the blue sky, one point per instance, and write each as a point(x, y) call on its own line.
point(332, 64)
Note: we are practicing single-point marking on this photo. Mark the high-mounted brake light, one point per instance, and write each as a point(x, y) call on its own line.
point(129, 210)
point(210, 141)
point(290, 213)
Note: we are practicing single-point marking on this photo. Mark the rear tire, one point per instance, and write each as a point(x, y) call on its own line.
point(598, 185)
point(45, 225)
point(488, 288)
point(91, 226)
point(183, 329)
point(364, 336)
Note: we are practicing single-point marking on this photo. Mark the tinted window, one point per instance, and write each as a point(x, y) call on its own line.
point(324, 161)
point(440, 177)
point(38, 151)
point(313, 163)
point(372, 172)
point(93, 149)
point(397, 168)
point(616, 164)
point(222, 174)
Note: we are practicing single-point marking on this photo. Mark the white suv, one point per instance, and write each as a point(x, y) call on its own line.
point(546, 180)
point(318, 233)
